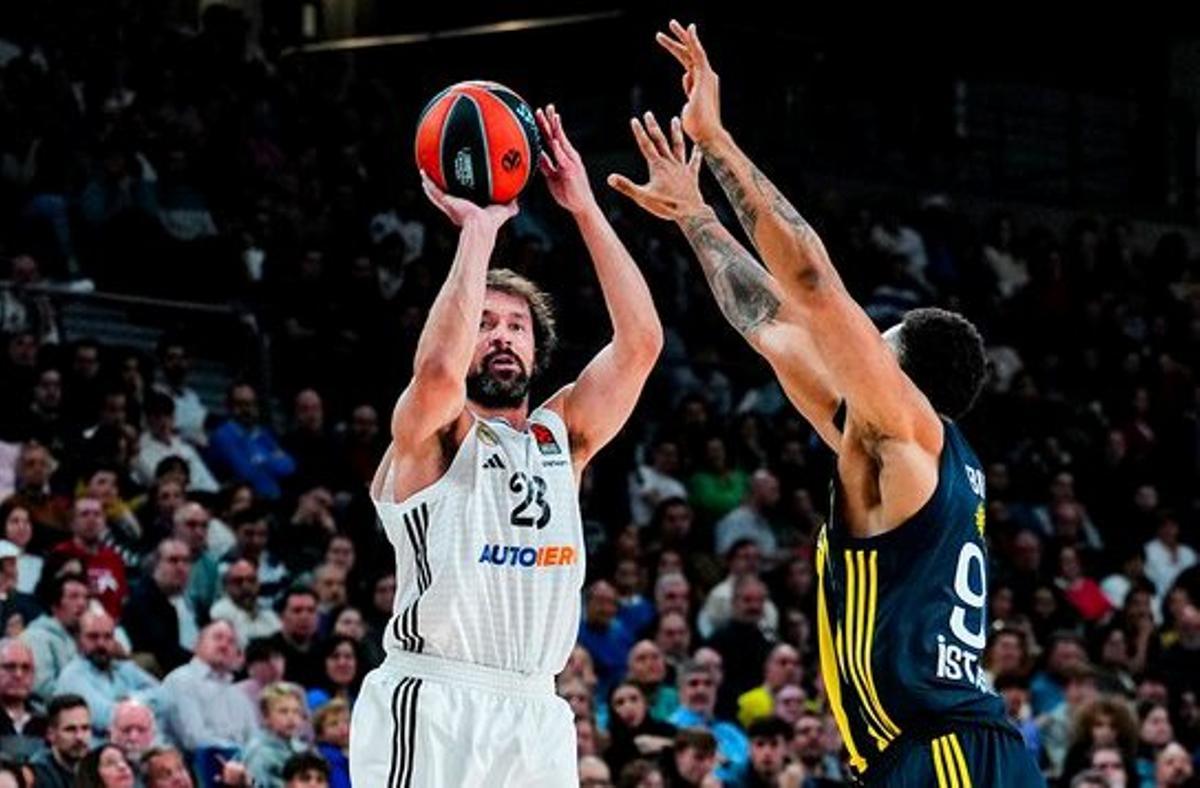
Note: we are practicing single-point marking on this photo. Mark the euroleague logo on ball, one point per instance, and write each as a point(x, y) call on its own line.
point(464, 170)
point(511, 160)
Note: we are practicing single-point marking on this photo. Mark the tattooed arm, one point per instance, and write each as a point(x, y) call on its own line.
point(787, 243)
point(884, 408)
point(748, 296)
point(751, 300)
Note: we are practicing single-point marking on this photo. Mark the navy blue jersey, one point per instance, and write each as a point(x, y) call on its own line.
point(902, 617)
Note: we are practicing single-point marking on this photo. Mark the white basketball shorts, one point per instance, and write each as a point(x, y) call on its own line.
point(425, 722)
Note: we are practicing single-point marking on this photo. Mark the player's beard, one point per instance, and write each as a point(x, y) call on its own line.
point(492, 391)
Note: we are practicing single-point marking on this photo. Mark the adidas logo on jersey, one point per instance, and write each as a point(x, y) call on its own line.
point(494, 462)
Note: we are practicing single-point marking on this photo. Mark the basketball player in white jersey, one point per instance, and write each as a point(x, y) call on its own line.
point(478, 496)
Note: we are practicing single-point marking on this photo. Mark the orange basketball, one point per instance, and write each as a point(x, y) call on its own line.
point(478, 140)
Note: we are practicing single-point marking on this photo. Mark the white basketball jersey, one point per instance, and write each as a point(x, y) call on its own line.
point(490, 558)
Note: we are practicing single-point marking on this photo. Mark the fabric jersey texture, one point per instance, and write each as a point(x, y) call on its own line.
point(490, 563)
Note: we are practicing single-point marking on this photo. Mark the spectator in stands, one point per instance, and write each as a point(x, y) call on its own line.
point(49, 511)
point(160, 618)
point(18, 531)
point(648, 669)
point(1014, 689)
point(1104, 722)
point(807, 749)
point(698, 688)
point(100, 677)
point(1166, 556)
point(604, 636)
point(331, 725)
point(133, 728)
point(271, 746)
point(633, 731)
point(1054, 727)
point(1081, 591)
point(650, 484)
point(160, 441)
point(51, 637)
point(1110, 762)
point(768, 752)
point(17, 609)
point(296, 638)
point(83, 386)
point(68, 736)
point(1064, 651)
point(635, 611)
point(341, 675)
point(190, 414)
point(749, 520)
point(719, 487)
point(691, 760)
point(741, 643)
point(38, 414)
point(242, 606)
point(313, 446)
point(673, 639)
point(23, 310)
point(264, 665)
point(205, 708)
point(308, 770)
point(744, 559)
point(191, 522)
point(593, 772)
point(1173, 767)
point(782, 669)
point(22, 723)
point(246, 450)
point(363, 444)
point(252, 532)
point(104, 767)
point(164, 767)
point(104, 568)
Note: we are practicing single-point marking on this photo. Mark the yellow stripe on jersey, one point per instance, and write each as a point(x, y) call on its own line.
point(872, 595)
point(829, 669)
point(938, 767)
point(960, 760)
point(951, 766)
point(855, 615)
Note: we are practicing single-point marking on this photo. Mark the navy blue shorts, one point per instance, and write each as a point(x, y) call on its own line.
point(965, 757)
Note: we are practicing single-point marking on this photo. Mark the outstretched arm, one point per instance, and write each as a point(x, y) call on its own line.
point(436, 395)
point(599, 402)
point(787, 243)
point(754, 304)
point(881, 399)
point(748, 296)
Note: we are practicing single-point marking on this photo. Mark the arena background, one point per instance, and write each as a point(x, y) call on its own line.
point(238, 180)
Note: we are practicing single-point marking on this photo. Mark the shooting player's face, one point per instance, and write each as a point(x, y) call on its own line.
point(504, 352)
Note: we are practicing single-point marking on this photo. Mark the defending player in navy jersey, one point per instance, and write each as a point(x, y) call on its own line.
point(902, 562)
point(479, 497)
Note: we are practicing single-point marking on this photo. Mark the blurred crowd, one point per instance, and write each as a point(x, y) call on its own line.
point(192, 594)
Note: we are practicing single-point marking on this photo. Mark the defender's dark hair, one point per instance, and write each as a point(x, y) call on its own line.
point(943, 354)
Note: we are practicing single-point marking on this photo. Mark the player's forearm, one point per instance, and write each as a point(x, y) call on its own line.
point(741, 287)
point(789, 246)
point(448, 338)
point(637, 331)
